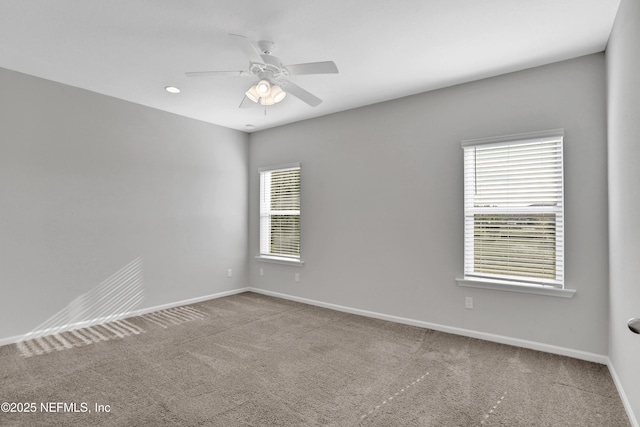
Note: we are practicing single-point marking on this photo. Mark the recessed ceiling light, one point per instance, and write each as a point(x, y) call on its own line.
point(172, 89)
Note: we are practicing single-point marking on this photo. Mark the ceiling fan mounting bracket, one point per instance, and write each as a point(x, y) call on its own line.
point(266, 47)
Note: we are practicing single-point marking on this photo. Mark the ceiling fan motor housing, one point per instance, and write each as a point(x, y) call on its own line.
point(272, 69)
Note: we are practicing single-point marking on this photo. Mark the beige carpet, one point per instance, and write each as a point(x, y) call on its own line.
point(253, 360)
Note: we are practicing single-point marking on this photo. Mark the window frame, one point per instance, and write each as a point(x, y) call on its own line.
point(266, 212)
point(514, 283)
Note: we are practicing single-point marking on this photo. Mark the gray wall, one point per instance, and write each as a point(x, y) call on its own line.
point(382, 204)
point(90, 183)
point(623, 75)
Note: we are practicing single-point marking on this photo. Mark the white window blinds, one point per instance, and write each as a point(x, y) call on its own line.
point(513, 203)
point(280, 211)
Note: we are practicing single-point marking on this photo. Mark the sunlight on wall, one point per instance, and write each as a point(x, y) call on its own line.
point(93, 316)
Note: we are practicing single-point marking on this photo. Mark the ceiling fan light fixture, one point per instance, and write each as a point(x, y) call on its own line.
point(266, 101)
point(252, 94)
point(272, 95)
point(263, 88)
point(277, 94)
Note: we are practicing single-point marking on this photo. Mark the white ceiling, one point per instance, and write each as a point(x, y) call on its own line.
point(132, 49)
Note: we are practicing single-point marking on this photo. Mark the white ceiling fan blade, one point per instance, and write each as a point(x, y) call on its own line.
point(326, 67)
point(302, 94)
point(216, 73)
point(248, 48)
point(246, 103)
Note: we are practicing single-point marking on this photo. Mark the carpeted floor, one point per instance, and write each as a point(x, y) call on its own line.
point(253, 360)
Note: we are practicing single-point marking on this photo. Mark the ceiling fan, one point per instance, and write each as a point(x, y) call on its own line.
point(273, 78)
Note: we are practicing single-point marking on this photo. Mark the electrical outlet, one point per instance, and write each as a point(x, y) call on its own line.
point(468, 303)
point(229, 272)
point(261, 271)
point(297, 277)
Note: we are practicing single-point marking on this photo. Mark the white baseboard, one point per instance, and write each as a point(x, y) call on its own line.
point(591, 357)
point(625, 400)
point(547, 348)
point(186, 302)
point(139, 312)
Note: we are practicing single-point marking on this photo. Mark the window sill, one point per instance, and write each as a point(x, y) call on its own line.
point(498, 285)
point(279, 260)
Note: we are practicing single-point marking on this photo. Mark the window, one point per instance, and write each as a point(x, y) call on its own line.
point(513, 209)
point(280, 213)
